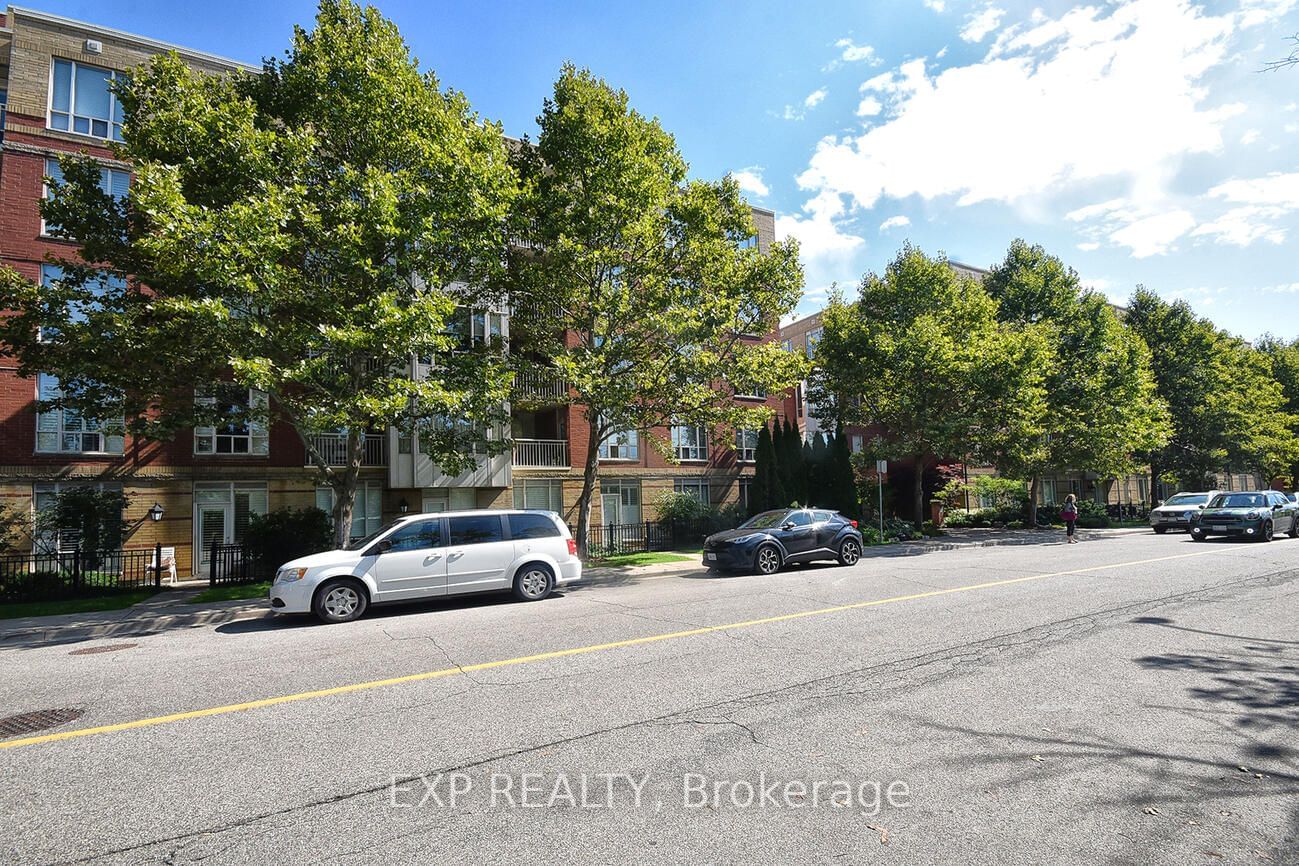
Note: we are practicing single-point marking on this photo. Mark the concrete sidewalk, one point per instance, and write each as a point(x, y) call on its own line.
point(173, 608)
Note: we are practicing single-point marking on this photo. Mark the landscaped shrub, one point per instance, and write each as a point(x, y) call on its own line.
point(681, 507)
point(870, 536)
point(897, 529)
point(278, 536)
point(1092, 515)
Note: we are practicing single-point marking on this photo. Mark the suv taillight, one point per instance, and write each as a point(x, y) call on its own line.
point(572, 547)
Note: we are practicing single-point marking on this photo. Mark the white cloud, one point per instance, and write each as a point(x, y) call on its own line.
point(1110, 96)
point(1249, 137)
point(1155, 234)
point(869, 107)
point(895, 222)
point(936, 5)
point(1275, 189)
point(1257, 205)
point(826, 251)
point(1089, 246)
point(815, 98)
point(1241, 226)
point(750, 180)
point(981, 23)
point(854, 53)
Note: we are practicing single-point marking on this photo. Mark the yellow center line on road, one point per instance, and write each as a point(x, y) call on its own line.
point(573, 651)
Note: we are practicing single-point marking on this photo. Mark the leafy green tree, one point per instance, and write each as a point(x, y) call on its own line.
point(638, 282)
point(817, 472)
point(1227, 410)
point(841, 483)
point(922, 354)
point(768, 491)
point(1100, 406)
point(792, 460)
point(1283, 358)
point(309, 232)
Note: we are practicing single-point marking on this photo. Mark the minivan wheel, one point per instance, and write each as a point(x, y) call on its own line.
point(533, 583)
point(766, 560)
point(340, 601)
point(849, 552)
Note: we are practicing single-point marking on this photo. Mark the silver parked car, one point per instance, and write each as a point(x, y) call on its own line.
point(1176, 511)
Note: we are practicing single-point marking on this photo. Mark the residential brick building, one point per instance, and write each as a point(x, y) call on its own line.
point(54, 80)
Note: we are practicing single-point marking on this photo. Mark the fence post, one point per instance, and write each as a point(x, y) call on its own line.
point(76, 567)
point(157, 566)
point(212, 565)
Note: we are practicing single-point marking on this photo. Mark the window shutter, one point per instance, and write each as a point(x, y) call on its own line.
point(47, 423)
point(259, 439)
point(119, 184)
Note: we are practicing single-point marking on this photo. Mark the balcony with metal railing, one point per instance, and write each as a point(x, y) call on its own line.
point(333, 447)
point(541, 453)
point(540, 387)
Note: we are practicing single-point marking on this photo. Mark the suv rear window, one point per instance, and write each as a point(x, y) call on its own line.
point(532, 526)
point(476, 529)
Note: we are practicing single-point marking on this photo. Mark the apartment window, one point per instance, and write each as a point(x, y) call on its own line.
point(622, 445)
point(620, 500)
point(113, 181)
point(238, 435)
point(693, 487)
point(750, 392)
point(55, 538)
point(1048, 491)
point(542, 494)
point(78, 310)
point(67, 431)
point(367, 508)
point(1143, 488)
point(748, 243)
point(746, 445)
point(745, 483)
point(858, 444)
point(81, 100)
point(690, 442)
point(799, 402)
point(787, 345)
point(813, 337)
point(476, 327)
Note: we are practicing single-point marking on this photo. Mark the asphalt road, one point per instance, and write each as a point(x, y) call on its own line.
point(1127, 700)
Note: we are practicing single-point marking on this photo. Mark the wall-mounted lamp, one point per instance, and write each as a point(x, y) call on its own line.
point(155, 513)
point(403, 506)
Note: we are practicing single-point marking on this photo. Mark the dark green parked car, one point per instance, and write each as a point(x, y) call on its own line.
point(1258, 515)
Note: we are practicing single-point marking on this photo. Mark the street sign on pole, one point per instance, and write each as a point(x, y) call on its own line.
point(881, 469)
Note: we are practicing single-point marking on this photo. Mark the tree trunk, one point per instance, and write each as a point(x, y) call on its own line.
point(1154, 484)
point(590, 472)
point(1034, 487)
point(918, 491)
point(344, 485)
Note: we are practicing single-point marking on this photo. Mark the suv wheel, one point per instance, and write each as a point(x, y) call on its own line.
point(767, 559)
point(533, 583)
point(1265, 532)
point(1160, 530)
point(849, 552)
point(340, 601)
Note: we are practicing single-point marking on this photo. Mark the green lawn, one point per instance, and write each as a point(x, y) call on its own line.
point(115, 601)
point(233, 592)
point(640, 559)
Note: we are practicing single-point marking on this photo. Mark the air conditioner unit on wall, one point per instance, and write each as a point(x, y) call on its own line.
point(94, 46)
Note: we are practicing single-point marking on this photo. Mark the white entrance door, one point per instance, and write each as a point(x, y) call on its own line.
point(221, 514)
point(611, 505)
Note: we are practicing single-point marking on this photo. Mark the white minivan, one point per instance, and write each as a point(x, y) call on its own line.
point(423, 556)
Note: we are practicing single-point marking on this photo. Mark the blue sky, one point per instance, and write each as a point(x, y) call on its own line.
point(1137, 140)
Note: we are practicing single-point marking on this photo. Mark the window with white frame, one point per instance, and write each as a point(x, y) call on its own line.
point(621, 445)
point(745, 485)
point(750, 392)
point(620, 500)
point(546, 494)
point(82, 101)
point(858, 444)
point(53, 538)
point(367, 508)
point(245, 431)
point(748, 243)
point(690, 442)
point(476, 327)
point(67, 431)
point(746, 445)
point(101, 285)
point(115, 182)
point(813, 337)
point(1048, 491)
point(694, 487)
point(787, 345)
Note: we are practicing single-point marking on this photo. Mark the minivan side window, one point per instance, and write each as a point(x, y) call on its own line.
point(475, 529)
point(532, 526)
point(417, 535)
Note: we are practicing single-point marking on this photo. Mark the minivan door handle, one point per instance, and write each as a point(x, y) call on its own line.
point(455, 554)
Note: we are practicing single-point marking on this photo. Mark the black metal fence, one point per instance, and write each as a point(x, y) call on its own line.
point(64, 574)
point(235, 563)
point(615, 539)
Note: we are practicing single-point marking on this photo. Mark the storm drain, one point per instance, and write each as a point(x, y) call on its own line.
point(30, 723)
point(107, 648)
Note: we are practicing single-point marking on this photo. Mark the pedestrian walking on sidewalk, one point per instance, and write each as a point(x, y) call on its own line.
point(1069, 514)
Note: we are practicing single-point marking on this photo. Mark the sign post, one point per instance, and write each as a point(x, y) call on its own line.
point(881, 469)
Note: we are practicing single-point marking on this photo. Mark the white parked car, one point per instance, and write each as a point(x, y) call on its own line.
point(1175, 512)
point(423, 556)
